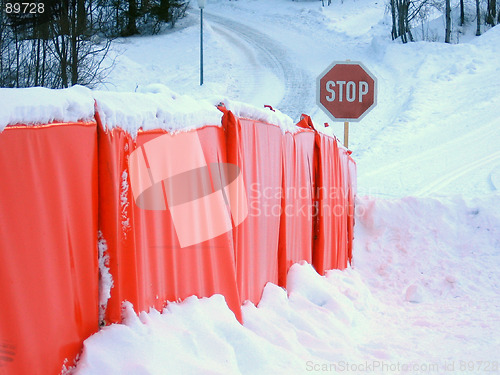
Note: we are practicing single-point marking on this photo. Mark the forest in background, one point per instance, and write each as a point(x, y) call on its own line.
point(65, 42)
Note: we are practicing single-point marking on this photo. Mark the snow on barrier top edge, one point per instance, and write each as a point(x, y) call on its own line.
point(40, 105)
point(153, 107)
point(251, 112)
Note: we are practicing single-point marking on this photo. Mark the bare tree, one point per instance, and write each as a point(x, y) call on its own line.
point(462, 13)
point(394, 31)
point(491, 15)
point(403, 13)
point(478, 17)
point(132, 15)
point(447, 38)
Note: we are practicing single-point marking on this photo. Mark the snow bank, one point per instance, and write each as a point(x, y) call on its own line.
point(271, 116)
point(202, 336)
point(155, 107)
point(426, 249)
point(423, 293)
point(41, 106)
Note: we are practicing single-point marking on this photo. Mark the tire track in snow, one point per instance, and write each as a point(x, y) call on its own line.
point(298, 85)
point(246, 86)
point(452, 176)
point(478, 134)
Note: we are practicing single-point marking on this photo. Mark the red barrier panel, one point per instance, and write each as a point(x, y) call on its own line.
point(148, 261)
point(116, 220)
point(48, 245)
point(296, 226)
point(255, 147)
point(349, 173)
point(330, 245)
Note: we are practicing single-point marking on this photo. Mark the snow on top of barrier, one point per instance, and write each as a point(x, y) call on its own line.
point(154, 107)
point(260, 114)
point(38, 105)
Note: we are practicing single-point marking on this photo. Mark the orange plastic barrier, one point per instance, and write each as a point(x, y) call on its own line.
point(116, 219)
point(219, 210)
point(148, 262)
point(352, 204)
point(48, 246)
point(297, 212)
point(330, 246)
point(255, 147)
point(349, 173)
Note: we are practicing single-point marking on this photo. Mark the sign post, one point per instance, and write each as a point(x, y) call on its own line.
point(201, 5)
point(346, 91)
point(346, 134)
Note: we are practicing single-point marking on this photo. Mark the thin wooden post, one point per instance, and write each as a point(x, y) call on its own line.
point(346, 134)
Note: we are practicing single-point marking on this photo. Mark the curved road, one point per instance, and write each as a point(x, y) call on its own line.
point(296, 86)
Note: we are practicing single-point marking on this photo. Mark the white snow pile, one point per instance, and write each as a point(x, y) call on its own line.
point(41, 106)
point(202, 336)
point(423, 292)
point(105, 277)
point(433, 265)
point(154, 107)
point(266, 114)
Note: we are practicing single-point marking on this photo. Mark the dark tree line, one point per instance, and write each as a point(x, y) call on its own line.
point(405, 12)
point(68, 42)
point(131, 17)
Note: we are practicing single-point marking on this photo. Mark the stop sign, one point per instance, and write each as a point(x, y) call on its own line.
point(347, 91)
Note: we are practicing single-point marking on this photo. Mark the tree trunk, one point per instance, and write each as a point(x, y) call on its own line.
point(394, 32)
point(492, 12)
point(132, 18)
point(462, 13)
point(478, 16)
point(37, 63)
point(447, 38)
point(404, 25)
point(64, 62)
point(81, 17)
point(74, 44)
point(18, 52)
point(44, 60)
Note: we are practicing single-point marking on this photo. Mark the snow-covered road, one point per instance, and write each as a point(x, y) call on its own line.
point(268, 71)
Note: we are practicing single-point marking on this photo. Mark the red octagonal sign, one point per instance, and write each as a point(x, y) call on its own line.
point(347, 91)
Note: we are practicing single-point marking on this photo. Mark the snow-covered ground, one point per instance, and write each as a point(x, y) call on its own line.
point(423, 297)
point(423, 294)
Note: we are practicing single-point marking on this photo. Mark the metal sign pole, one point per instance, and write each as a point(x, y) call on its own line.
point(201, 47)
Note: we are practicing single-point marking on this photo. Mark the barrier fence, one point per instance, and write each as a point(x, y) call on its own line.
point(48, 257)
point(222, 209)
